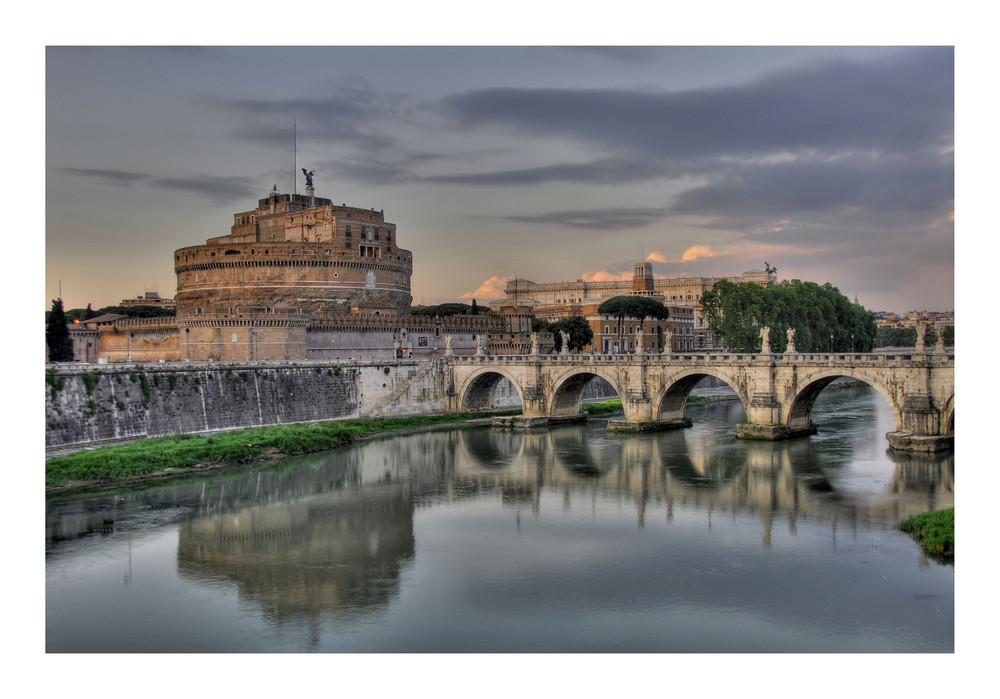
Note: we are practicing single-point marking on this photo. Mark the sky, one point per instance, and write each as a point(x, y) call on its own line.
point(548, 163)
point(805, 134)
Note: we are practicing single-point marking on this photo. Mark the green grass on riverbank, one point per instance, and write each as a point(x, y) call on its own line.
point(935, 531)
point(615, 405)
point(603, 408)
point(183, 452)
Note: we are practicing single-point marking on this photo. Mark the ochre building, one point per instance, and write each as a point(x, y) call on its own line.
point(298, 251)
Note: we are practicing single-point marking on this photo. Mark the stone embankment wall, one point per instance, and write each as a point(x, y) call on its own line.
point(93, 403)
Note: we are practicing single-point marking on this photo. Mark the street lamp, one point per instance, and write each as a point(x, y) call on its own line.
point(852, 343)
point(831, 343)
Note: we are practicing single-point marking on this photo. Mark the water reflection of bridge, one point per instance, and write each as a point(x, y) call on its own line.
point(332, 533)
point(657, 472)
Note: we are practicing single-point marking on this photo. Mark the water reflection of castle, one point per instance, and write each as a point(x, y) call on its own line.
point(314, 543)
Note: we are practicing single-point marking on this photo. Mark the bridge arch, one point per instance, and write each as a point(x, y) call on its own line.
point(476, 391)
point(797, 411)
point(568, 388)
point(948, 416)
point(669, 403)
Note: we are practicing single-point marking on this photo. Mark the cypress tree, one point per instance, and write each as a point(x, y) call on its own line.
point(475, 308)
point(57, 334)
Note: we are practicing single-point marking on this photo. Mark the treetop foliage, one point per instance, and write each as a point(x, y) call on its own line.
point(579, 330)
point(638, 307)
point(736, 312)
point(57, 338)
point(451, 309)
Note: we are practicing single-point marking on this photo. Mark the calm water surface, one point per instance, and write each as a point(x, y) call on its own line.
point(560, 540)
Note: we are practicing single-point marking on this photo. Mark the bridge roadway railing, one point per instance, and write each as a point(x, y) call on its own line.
point(847, 359)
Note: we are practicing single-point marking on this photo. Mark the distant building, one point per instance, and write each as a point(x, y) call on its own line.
point(151, 299)
point(686, 328)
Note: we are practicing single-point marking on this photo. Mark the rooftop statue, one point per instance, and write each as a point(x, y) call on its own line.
point(309, 176)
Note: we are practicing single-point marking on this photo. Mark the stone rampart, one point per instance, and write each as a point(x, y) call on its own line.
point(96, 402)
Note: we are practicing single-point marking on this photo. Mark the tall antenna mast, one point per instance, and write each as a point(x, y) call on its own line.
point(295, 156)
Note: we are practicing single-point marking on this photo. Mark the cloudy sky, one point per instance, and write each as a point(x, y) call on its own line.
point(542, 163)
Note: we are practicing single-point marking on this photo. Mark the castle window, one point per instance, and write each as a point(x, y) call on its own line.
point(347, 231)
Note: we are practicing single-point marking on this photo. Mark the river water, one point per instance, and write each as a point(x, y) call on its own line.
point(560, 540)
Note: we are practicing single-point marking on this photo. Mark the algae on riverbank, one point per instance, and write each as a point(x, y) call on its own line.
point(181, 453)
point(934, 531)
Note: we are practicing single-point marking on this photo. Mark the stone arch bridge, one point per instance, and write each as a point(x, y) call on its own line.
point(777, 390)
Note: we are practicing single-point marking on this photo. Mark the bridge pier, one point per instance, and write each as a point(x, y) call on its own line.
point(772, 433)
point(905, 441)
point(648, 425)
point(921, 427)
point(521, 422)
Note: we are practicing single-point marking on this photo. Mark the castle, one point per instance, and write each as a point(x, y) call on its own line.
point(299, 278)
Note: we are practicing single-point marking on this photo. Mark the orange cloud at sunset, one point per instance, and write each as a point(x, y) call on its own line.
point(601, 275)
point(690, 255)
point(490, 289)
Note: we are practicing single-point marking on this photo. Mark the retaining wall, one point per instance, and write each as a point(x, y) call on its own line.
point(95, 402)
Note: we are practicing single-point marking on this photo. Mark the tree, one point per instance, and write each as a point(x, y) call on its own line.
point(444, 309)
point(57, 334)
point(824, 319)
point(138, 311)
point(579, 330)
point(637, 307)
point(475, 308)
point(540, 325)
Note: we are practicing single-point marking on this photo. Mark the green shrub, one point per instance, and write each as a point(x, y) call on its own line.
point(934, 531)
point(90, 381)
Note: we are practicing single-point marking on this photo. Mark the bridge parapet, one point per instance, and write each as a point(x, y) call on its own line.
point(777, 390)
point(875, 359)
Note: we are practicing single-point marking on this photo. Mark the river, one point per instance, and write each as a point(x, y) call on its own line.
point(561, 540)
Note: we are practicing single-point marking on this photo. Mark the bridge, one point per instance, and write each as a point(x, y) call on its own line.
point(777, 390)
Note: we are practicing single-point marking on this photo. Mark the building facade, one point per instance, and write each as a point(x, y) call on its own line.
point(684, 330)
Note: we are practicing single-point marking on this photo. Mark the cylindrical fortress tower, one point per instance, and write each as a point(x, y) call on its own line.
point(298, 251)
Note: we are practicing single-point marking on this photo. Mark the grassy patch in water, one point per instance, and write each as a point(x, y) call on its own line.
point(934, 531)
point(183, 452)
point(608, 406)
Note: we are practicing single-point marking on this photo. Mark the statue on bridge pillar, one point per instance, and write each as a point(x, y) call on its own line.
point(565, 341)
point(447, 346)
point(765, 334)
point(668, 341)
point(921, 336)
point(534, 343)
point(638, 340)
point(790, 334)
point(479, 346)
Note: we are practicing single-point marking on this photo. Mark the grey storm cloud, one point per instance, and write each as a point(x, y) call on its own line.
point(598, 219)
point(877, 184)
point(603, 172)
point(355, 114)
point(872, 134)
point(121, 178)
point(865, 135)
point(218, 190)
point(896, 105)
